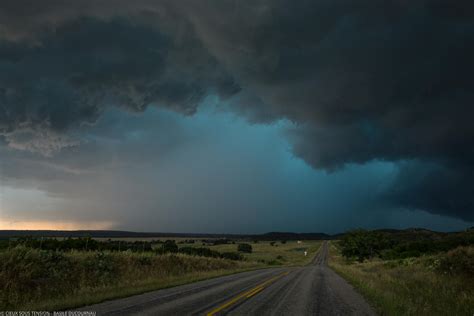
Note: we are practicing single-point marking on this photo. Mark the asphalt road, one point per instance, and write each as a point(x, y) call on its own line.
point(311, 290)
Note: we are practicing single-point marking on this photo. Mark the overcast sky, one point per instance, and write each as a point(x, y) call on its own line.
point(236, 116)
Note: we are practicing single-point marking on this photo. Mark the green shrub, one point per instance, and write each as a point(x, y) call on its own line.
point(200, 251)
point(220, 242)
point(362, 244)
point(245, 248)
point(100, 269)
point(26, 273)
point(206, 252)
point(273, 262)
point(169, 246)
point(458, 261)
point(232, 256)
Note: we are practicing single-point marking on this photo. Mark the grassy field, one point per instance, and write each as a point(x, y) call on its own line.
point(411, 286)
point(290, 253)
point(38, 279)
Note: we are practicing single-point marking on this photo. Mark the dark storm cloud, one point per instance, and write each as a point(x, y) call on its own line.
point(363, 81)
point(439, 189)
point(376, 81)
point(69, 75)
point(366, 81)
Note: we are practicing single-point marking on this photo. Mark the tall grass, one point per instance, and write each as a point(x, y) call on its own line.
point(430, 285)
point(36, 279)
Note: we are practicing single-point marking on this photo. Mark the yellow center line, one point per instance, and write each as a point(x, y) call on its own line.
point(246, 294)
point(254, 292)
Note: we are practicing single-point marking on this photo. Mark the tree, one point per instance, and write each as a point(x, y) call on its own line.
point(169, 246)
point(362, 244)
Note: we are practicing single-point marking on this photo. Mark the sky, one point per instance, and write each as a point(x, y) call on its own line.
point(236, 116)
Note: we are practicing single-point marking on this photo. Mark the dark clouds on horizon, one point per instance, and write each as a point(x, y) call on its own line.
point(361, 81)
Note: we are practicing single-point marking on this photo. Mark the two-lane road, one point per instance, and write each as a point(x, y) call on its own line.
point(311, 290)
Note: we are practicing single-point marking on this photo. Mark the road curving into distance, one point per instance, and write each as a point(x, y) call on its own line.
point(310, 290)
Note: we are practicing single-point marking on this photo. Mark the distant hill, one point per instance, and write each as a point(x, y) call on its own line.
point(293, 236)
point(410, 233)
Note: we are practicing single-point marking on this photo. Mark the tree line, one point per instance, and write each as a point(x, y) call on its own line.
point(363, 244)
point(90, 244)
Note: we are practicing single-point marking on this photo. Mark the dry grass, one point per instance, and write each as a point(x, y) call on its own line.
point(409, 286)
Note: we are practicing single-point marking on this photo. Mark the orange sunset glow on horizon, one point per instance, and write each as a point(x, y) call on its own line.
point(6, 224)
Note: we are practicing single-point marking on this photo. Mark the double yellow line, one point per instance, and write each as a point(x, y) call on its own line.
point(247, 294)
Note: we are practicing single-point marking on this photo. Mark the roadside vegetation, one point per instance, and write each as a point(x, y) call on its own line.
point(409, 273)
point(53, 274)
